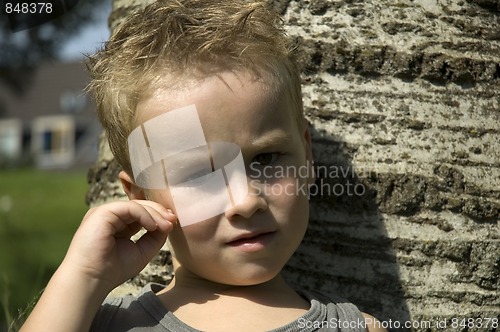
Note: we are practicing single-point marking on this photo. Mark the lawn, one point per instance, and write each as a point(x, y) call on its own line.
point(39, 212)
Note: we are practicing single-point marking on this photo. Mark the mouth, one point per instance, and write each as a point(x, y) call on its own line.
point(252, 241)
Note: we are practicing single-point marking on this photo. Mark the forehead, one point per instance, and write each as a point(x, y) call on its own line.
point(229, 105)
point(167, 93)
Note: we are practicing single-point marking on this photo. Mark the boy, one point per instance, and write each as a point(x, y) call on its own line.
point(201, 104)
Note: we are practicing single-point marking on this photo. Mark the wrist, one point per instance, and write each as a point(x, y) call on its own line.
point(82, 281)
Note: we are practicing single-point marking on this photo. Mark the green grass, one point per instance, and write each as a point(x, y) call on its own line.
point(39, 212)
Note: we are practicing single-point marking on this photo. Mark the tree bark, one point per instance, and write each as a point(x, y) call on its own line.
point(403, 101)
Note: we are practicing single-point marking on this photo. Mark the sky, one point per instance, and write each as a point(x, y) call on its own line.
point(90, 37)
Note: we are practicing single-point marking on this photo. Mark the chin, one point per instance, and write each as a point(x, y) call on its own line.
point(251, 277)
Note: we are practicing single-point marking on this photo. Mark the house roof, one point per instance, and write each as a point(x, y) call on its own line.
point(55, 89)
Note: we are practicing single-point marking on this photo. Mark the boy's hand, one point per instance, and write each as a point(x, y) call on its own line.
point(102, 249)
point(100, 257)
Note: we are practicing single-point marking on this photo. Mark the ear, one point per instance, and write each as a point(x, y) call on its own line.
point(132, 190)
point(307, 141)
point(308, 150)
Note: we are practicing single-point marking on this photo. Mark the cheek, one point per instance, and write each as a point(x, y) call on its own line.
point(201, 232)
point(194, 237)
point(162, 197)
point(291, 210)
point(289, 195)
point(194, 244)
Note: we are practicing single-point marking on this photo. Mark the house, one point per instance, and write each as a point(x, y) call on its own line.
point(52, 123)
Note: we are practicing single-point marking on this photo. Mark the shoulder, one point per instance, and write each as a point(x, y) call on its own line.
point(342, 310)
point(343, 305)
point(125, 312)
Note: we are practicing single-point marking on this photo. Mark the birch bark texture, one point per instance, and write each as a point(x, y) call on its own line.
point(403, 103)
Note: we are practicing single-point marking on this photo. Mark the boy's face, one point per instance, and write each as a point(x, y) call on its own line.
point(250, 242)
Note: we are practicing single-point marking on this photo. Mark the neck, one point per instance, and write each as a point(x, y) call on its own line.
point(202, 303)
point(185, 280)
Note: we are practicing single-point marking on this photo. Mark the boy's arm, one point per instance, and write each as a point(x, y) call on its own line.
point(101, 256)
point(69, 303)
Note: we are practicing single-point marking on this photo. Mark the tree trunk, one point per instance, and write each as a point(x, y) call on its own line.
point(403, 101)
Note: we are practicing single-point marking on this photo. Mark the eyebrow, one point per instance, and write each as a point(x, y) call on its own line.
point(273, 138)
point(199, 156)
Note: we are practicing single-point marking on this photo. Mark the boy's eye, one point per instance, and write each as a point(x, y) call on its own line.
point(265, 158)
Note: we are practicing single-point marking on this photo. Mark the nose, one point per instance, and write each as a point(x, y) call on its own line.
point(253, 202)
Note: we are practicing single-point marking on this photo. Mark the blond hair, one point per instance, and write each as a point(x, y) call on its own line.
point(186, 39)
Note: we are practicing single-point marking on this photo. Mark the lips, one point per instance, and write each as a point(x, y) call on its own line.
point(252, 241)
point(247, 236)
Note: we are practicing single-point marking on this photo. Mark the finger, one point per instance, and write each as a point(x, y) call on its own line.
point(125, 217)
point(129, 231)
point(161, 222)
point(142, 215)
point(165, 212)
point(164, 217)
